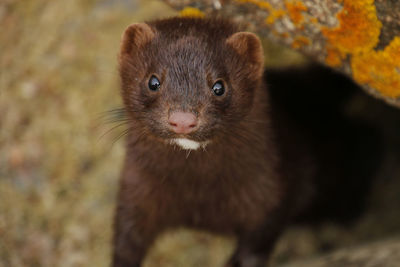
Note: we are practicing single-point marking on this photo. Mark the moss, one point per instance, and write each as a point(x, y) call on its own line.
point(191, 12)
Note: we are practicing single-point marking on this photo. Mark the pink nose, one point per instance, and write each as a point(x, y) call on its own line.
point(182, 122)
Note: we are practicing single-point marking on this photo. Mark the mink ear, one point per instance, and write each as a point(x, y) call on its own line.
point(249, 46)
point(136, 36)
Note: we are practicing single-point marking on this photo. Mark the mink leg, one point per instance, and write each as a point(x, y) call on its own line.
point(132, 238)
point(130, 245)
point(251, 255)
point(127, 252)
point(254, 248)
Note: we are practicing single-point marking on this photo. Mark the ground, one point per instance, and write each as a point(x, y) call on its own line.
point(60, 159)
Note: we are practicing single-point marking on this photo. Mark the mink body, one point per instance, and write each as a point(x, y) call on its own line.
point(250, 166)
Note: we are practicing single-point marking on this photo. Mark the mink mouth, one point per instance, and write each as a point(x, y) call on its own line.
point(184, 141)
point(198, 139)
point(187, 144)
point(201, 135)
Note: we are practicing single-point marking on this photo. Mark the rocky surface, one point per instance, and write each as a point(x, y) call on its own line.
point(380, 254)
point(360, 38)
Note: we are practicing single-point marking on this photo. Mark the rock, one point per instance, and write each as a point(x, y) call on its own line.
point(380, 254)
point(360, 38)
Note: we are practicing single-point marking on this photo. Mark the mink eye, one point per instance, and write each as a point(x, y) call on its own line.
point(154, 83)
point(218, 88)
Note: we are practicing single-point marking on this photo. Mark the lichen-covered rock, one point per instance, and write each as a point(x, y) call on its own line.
point(359, 37)
point(381, 254)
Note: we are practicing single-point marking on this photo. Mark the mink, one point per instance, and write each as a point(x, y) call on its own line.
point(215, 143)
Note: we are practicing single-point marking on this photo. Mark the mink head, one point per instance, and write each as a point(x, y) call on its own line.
point(188, 81)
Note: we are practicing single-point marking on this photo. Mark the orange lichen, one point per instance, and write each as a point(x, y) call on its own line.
point(284, 35)
point(300, 41)
point(393, 49)
point(274, 15)
point(191, 12)
point(334, 57)
point(295, 9)
point(380, 69)
point(359, 28)
point(355, 38)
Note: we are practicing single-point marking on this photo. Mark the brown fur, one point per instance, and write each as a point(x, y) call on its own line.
point(134, 38)
point(252, 178)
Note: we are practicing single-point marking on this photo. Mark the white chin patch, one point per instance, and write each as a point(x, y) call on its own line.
point(188, 144)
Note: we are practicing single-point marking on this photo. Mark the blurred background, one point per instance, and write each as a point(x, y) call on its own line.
point(60, 159)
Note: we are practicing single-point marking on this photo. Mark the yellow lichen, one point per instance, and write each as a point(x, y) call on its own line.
point(274, 15)
point(355, 38)
point(191, 12)
point(380, 69)
point(295, 9)
point(300, 41)
point(359, 28)
point(284, 35)
point(393, 49)
point(334, 57)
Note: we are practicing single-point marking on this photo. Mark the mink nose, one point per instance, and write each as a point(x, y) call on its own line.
point(182, 122)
